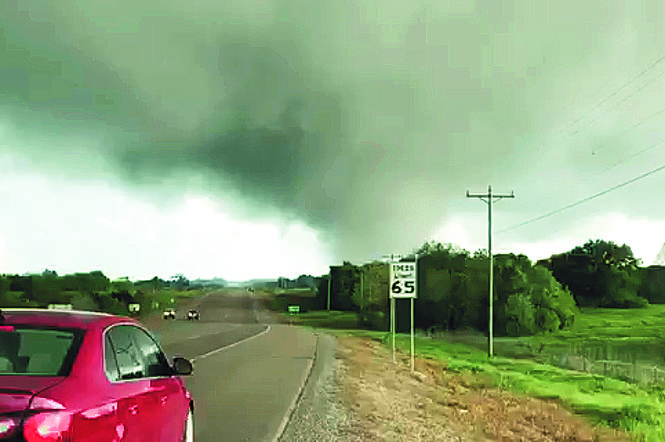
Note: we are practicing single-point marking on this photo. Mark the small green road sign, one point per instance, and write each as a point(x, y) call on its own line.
point(60, 307)
point(294, 309)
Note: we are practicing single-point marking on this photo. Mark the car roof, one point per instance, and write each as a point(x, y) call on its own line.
point(57, 318)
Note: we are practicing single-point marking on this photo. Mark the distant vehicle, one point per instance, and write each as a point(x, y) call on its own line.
point(193, 314)
point(169, 313)
point(77, 376)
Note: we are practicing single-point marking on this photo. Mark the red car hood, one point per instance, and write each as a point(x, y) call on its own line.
point(16, 391)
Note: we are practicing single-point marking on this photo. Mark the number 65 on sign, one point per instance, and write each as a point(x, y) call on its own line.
point(403, 280)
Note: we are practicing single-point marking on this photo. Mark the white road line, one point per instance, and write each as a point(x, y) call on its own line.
point(231, 345)
point(211, 333)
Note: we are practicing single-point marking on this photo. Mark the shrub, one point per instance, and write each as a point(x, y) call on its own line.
point(84, 301)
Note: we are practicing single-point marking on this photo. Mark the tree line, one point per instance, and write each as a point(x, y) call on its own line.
point(84, 291)
point(529, 298)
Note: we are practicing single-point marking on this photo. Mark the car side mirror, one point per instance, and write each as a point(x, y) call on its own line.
point(182, 366)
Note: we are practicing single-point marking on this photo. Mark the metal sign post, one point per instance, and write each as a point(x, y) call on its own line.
point(403, 284)
point(393, 258)
point(412, 342)
point(392, 325)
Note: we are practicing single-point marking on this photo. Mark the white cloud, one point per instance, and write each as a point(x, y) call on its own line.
point(463, 231)
point(644, 236)
point(69, 227)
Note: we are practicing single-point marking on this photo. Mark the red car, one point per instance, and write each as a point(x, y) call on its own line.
point(68, 376)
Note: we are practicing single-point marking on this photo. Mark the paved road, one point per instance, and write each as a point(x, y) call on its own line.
point(248, 372)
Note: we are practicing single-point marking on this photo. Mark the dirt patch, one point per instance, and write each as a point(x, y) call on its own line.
point(388, 403)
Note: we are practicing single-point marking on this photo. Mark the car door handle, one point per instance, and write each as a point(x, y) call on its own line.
point(133, 409)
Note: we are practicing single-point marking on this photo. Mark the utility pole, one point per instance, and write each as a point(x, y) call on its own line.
point(329, 279)
point(490, 200)
point(370, 289)
point(362, 293)
point(413, 351)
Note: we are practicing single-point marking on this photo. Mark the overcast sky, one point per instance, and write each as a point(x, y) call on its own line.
point(262, 138)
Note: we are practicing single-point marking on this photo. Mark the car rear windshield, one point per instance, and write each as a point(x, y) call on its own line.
point(29, 351)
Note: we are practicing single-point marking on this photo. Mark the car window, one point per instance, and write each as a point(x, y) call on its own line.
point(110, 362)
point(29, 351)
point(156, 363)
point(136, 353)
point(127, 355)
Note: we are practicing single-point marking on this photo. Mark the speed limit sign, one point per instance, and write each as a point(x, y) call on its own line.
point(403, 280)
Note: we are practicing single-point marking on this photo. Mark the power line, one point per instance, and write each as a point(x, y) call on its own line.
point(648, 83)
point(639, 152)
point(577, 203)
point(620, 134)
point(628, 97)
point(616, 92)
point(639, 122)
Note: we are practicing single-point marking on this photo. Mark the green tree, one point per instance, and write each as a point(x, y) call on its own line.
point(9, 298)
point(555, 306)
point(105, 303)
point(520, 315)
point(94, 281)
point(45, 290)
point(179, 281)
point(529, 299)
point(453, 290)
point(5, 284)
point(322, 293)
point(453, 293)
point(510, 282)
point(602, 274)
point(84, 301)
point(369, 294)
point(344, 282)
point(620, 287)
point(122, 285)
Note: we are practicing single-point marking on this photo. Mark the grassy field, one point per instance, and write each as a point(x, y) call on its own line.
point(527, 365)
point(325, 319)
point(619, 323)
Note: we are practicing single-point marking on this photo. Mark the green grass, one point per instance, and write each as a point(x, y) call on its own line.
point(325, 319)
point(606, 323)
point(522, 364)
point(604, 401)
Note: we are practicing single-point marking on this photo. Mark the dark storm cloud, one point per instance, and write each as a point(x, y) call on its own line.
point(361, 118)
point(270, 136)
